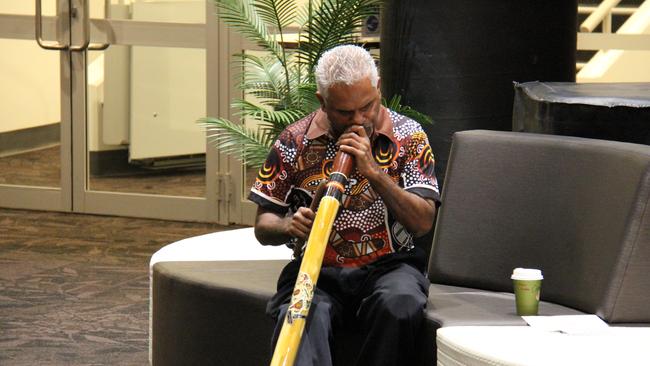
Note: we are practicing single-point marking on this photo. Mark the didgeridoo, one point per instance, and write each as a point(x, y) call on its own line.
point(303, 291)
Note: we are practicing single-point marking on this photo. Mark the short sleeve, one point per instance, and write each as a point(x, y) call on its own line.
point(418, 174)
point(273, 182)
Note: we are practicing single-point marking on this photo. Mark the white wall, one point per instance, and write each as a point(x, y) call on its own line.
point(29, 77)
point(26, 7)
point(29, 85)
point(168, 88)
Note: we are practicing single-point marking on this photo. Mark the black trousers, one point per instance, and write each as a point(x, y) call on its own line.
point(384, 302)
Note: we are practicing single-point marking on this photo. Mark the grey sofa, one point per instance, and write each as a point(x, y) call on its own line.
point(578, 209)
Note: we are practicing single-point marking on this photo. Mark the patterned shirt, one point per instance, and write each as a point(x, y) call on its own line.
point(364, 230)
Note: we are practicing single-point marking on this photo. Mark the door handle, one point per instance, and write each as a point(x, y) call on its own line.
point(100, 46)
point(85, 29)
point(39, 32)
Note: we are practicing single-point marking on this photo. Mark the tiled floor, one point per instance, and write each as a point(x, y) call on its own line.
point(74, 288)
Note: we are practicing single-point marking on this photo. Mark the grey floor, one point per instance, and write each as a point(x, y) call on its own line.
point(74, 288)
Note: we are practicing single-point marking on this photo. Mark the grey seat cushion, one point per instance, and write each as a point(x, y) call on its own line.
point(452, 305)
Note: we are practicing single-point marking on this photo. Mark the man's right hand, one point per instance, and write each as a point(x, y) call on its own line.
point(299, 224)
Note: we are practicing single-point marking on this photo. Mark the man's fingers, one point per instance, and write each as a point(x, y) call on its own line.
point(307, 213)
point(301, 223)
point(352, 139)
point(356, 148)
point(299, 231)
point(351, 136)
point(357, 130)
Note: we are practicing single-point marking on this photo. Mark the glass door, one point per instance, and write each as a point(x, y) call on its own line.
point(143, 79)
point(35, 85)
point(125, 98)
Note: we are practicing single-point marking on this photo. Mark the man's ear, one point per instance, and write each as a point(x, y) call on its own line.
point(321, 100)
point(379, 86)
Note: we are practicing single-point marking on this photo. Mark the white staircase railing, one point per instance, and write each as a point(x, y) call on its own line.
point(616, 59)
point(602, 14)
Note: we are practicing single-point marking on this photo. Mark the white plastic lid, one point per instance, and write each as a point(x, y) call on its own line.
point(526, 274)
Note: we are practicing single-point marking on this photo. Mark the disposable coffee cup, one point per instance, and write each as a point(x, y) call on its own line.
point(527, 284)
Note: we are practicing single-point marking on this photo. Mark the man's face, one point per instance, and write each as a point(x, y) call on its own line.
point(356, 104)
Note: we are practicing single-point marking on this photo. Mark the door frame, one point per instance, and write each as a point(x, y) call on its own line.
point(22, 27)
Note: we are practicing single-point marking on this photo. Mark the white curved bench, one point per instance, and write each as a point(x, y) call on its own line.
point(231, 245)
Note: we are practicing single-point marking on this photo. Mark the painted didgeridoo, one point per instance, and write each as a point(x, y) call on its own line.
point(294, 323)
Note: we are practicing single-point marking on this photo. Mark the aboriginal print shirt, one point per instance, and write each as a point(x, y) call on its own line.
point(363, 230)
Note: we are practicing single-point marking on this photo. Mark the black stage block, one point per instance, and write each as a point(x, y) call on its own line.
point(607, 111)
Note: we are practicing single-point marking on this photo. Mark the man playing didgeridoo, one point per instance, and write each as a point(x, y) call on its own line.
point(372, 274)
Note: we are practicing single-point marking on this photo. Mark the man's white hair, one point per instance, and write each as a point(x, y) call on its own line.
point(345, 64)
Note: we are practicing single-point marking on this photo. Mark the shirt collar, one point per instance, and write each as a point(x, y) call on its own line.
point(320, 125)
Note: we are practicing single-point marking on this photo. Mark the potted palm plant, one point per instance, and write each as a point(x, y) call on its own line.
point(279, 87)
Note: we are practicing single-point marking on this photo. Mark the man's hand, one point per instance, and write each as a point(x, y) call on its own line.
point(355, 141)
point(299, 224)
point(272, 228)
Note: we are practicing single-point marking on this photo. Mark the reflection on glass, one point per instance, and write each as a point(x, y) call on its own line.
point(30, 101)
point(176, 11)
point(48, 7)
point(142, 106)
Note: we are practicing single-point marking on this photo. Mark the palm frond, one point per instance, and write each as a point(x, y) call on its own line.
point(249, 145)
point(304, 97)
point(279, 13)
point(395, 104)
point(243, 16)
point(305, 11)
point(269, 119)
point(298, 78)
point(333, 23)
point(263, 77)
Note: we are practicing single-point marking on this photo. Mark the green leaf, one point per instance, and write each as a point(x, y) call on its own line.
point(263, 77)
point(394, 104)
point(249, 145)
point(268, 119)
point(280, 13)
point(243, 16)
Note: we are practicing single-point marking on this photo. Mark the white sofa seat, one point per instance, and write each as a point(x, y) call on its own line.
point(504, 345)
point(231, 245)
